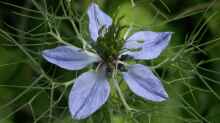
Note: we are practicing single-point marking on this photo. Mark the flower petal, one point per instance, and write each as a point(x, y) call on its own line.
point(150, 44)
point(144, 83)
point(97, 19)
point(69, 57)
point(89, 93)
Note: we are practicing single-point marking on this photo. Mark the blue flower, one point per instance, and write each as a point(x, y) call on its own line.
point(91, 89)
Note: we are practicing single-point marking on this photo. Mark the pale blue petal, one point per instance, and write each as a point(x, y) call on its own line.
point(90, 91)
point(69, 57)
point(148, 45)
point(144, 83)
point(97, 19)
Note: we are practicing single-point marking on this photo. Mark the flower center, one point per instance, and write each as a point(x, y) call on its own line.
point(110, 43)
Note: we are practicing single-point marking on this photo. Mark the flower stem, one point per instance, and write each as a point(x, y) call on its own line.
point(120, 92)
point(132, 3)
point(160, 64)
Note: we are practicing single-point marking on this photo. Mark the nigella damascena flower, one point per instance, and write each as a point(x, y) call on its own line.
point(91, 89)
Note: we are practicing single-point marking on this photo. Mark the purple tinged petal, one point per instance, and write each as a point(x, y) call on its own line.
point(90, 91)
point(150, 44)
point(97, 19)
point(69, 57)
point(144, 83)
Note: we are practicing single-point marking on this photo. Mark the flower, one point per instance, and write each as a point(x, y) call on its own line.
point(91, 89)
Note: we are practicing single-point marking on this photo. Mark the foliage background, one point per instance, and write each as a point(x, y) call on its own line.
point(34, 91)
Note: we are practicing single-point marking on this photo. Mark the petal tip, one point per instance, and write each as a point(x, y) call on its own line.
point(163, 97)
point(44, 53)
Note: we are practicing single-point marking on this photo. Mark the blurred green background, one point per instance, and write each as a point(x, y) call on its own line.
point(34, 91)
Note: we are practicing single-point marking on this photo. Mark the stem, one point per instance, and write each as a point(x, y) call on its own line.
point(80, 37)
point(51, 103)
point(160, 64)
point(120, 92)
point(57, 36)
point(132, 3)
